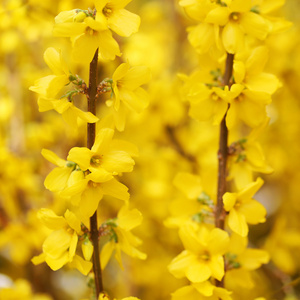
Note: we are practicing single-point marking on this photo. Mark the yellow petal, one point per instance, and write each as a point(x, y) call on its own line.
point(73, 221)
point(106, 253)
point(253, 211)
point(99, 175)
point(229, 200)
point(81, 265)
point(135, 77)
point(50, 219)
point(115, 189)
point(198, 272)
point(57, 263)
point(216, 265)
point(117, 161)
point(134, 101)
point(53, 158)
point(120, 72)
point(263, 82)
point(81, 156)
point(255, 25)
point(82, 53)
point(36, 260)
point(123, 22)
point(69, 29)
point(252, 259)
point(237, 223)
point(129, 219)
point(103, 140)
point(201, 37)
point(249, 191)
point(232, 38)
point(57, 179)
point(57, 243)
point(85, 116)
point(90, 199)
point(239, 70)
point(108, 47)
point(218, 242)
point(87, 249)
point(219, 16)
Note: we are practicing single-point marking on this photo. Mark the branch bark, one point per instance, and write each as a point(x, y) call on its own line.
point(220, 213)
point(91, 133)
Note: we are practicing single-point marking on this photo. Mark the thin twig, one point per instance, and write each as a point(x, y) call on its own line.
point(222, 157)
point(91, 132)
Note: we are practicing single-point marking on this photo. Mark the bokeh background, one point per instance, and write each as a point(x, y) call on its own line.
point(168, 140)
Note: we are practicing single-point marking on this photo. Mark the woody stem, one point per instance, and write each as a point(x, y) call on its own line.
point(91, 132)
point(222, 157)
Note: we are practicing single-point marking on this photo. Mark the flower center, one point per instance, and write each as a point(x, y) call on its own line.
point(234, 17)
point(96, 160)
point(107, 11)
point(214, 97)
point(89, 31)
point(204, 256)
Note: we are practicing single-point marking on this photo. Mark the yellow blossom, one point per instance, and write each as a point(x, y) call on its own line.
point(59, 248)
point(203, 257)
point(201, 291)
point(121, 237)
point(236, 20)
point(120, 20)
point(244, 210)
point(127, 92)
point(107, 157)
point(87, 30)
point(50, 85)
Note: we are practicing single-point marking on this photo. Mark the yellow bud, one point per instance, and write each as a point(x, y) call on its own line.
point(79, 17)
point(87, 249)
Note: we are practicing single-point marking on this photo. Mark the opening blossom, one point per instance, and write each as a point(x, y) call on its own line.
point(244, 210)
point(203, 257)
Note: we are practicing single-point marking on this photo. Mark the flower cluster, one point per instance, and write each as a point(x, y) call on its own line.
point(90, 173)
point(232, 91)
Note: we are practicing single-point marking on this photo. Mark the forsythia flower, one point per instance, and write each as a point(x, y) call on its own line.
point(50, 85)
point(127, 91)
point(241, 260)
point(122, 239)
point(59, 248)
point(236, 20)
point(250, 72)
point(86, 194)
point(86, 29)
point(107, 157)
point(120, 20)
point(246, 105)
point(203, 256)
point(67, 109)
point(243, 209)
point(201, 291)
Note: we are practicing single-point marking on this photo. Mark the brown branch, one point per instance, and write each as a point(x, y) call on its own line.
point(222, 157)
point(91, 132)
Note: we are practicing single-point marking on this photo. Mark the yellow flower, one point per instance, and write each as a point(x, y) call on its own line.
point(120, 20)
point(86, 29)
point(50, 85)
point(246, 105)
point(244, 210)
point(121, 237)
point(70, 113)
point(203, 257)
point(197, 9)
point(127, 93)
point(59, 248)
point(237, 19)
point(250, 72)
point(86, 194)
point(57, 179)
point(201, 291)
point(107, 157)
point(246, 157)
